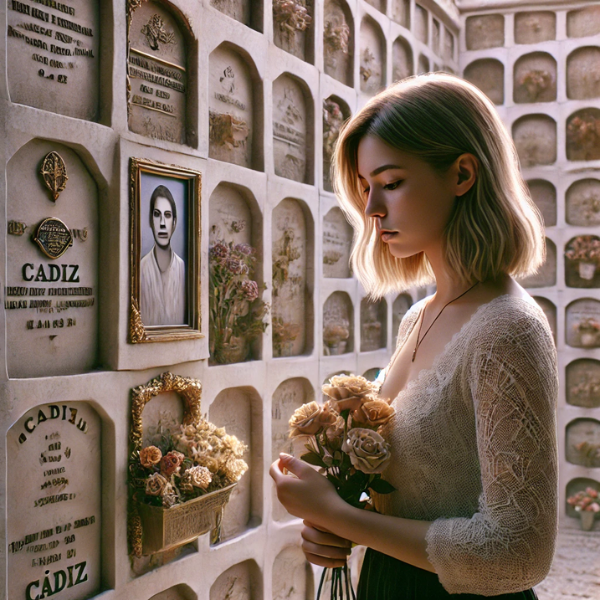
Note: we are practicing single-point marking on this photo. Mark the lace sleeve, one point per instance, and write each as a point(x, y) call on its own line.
point(508, 544)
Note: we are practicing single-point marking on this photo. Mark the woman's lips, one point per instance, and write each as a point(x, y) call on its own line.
point(388, 235)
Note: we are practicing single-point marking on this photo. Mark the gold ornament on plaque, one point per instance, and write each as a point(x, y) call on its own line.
point(54, 172)
point(53, 237)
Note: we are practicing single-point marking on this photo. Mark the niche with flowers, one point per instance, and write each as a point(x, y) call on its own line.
point(338, 324)
point(543, 193)
point(535, 78)
point(583, 383)
point(549, 309)
point(582, 262)
point(292, 575)
point(582, 492)
point(373, 325)
point(488, 75)
point(583, 22)
point(400, 12)
point(484, 31)
point(242, 581)
point(535, 140)
point(583, 73)
point(583, 203)
point(335, 112)
point(582, 445)
point(293, 27)
point(583, 135)
point(399, 308)
point(337, 244)
point(535, 27)
point(546, 276)
point(402, 59)
point(338, 41)
point(582, 324)
point(372, 57)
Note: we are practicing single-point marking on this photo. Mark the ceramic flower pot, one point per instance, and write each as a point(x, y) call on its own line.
point(587, 519)
point(337, 348)
point(234, 352)
point(587, 339)
point(587, 270)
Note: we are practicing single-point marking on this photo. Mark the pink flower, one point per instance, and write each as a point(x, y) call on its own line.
point(594, 507)
point(250, 290)
point(236, 266)
point(219, 250)
point(591, 492)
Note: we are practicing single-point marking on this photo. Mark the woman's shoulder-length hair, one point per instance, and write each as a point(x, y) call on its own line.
point(495, 228)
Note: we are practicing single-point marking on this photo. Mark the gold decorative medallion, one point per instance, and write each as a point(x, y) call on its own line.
point(16, 227)
point(53, 237)
point(54, 172)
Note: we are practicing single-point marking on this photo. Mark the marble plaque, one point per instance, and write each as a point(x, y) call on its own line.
point(400, 12)
point(290, 123)
point(423, 65)
point(53, 55)
point(400, 307)
point(177, 592)
point(583, 203)
point(230, 103)
point(292, 575)
point(535, 78)
point(582, 444)
point(338, 324)
point(543, 194)
point(581, 267)
point(337, 244)
point(583, 383)
point(240, 582)
point(583, 135)
point(338, 41)
point(583, 73)
point(335, 112)
point(546, 276)
point(582, 323)
point(373, 325)
point(240, 10)
point(157, 73)
point(54, 503)
point(535, 27)
point(293, 26)
point(289, 395)
point(448, 45)
point(230, 216)
point(402, 59)
point(289, 314)
point(484, 31)
point(372, 57)
point(549, 309)
point(421, 28)
point(535, 140)
point(51, 303)
point(488, 75)
point(583, 22)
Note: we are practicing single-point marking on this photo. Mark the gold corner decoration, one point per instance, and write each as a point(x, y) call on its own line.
point(134, 530)
point(137, 331)
point(54, 174)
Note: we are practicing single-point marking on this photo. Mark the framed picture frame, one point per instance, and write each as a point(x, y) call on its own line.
point(165, 204)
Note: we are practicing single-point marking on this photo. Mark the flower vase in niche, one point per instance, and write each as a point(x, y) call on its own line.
point(587, 270)
point(588, 329)
point(586, 503)
point(180, 477)
point(335, 337)
point(583, 252)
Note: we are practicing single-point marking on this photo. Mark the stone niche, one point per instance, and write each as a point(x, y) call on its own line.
point(577, 485)
point(583, 22)
point(583, 135)
point(535, 27)
point(582, 444)
point(546, 276)
point(378, 4)
point(239, 410)
point(337, 244)
point(51, 294)
point(293, 27)
point(292, 575)
point(582, 268)
point(338, 41)
point(436, 37)
point(583, 203)
point(48, 66)
point(485, 31)
point(543, 193)
point(402, 59)
point(535, 78)
point(535, 140)
point(582, 323)
point(488, 75)
point(159, 100)
point(291, 306)
point(292, 126)
point(53, 503)
point(448, 45)
point(373, 325)
point(289, 395)
point(372, 57)
point(583, 383)
point(423, 65)
point(231, 114)
point(248, 12)
point(240, 582)
point(335, 112)
point(421, 28)
point(549, 309)
point(400, 12)
point(338, 324)
point(372, 374)
point(399, 308)
point(177, 592)
point(583, 73)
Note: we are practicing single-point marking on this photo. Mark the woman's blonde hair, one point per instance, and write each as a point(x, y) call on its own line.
point(494, 228)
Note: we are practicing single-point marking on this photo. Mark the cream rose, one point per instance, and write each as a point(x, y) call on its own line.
point(349, 392)
point(367, 450)
point(373, 413)
point(200, 477)
point(157, 485)
point(310, 418)
point(150, 456)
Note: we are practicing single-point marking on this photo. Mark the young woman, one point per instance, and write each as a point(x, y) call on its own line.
point(428, 177)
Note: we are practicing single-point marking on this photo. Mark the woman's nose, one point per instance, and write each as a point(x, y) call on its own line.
point(374, 207)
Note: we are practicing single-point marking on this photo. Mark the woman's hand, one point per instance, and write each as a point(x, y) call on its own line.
point(324, 548)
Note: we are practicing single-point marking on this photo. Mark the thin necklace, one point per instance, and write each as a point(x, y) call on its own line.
point(438, 316)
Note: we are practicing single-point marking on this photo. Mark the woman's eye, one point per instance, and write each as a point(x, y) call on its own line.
point(366, 190)
point(392, 186)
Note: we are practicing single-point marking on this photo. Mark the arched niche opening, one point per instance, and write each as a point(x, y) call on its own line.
point(290, 395)
point(583, 383)
point(177, 592)
point(436, 37)
point(372, 56)
point(338, 41)
point(582, 443)
point(582, 323)
point(378, 4)
point(337, 244)
point(235, 232)
point(373, 325)
point(335, 112)
point(583, 22)
point(240, 411)
point(338, 324)
point(372, 374)
point(235, 113)
point(533, 27)
point(583, 135)
point(583, 203)
point(243, 581)
point(583, 73)
point(578, 484)
point(293, 127)
point(423, 65)
point(402, 59)
point(399, 308)
point(543, 193)
point(535, 139)
point(449, 45)
point(293, 27)
point(421, 26)
point(488, 75)
point(484, 31)
point(535, 78)
point(248, 12)
point(400, 12)
point(549, 309)
point(546, 276)
point(582, 263)
point(292, 318)
point(292, 575)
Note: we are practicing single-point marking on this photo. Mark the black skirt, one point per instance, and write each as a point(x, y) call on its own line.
point(385, 578)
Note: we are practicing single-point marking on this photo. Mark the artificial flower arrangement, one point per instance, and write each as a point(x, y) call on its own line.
point(342, 437)
point(587, 504)
point(587, 328)
point(584, 250)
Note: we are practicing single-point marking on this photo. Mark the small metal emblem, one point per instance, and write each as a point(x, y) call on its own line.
point(54, 172)
point(16, 227)
point(53, 237)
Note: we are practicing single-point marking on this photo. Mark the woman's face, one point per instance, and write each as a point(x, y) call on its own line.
point(410, 201)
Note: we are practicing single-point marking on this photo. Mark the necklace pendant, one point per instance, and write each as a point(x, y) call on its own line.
point(414, 354)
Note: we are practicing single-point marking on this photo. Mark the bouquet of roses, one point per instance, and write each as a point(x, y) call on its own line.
point(343, 440)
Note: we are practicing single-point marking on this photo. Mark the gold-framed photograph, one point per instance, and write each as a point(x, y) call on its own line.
point(165, 202)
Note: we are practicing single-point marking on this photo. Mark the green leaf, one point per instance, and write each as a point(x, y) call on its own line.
point(382, 487)
point(313, 459)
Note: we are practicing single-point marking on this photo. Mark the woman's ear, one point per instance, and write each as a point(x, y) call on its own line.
point(466, 167)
